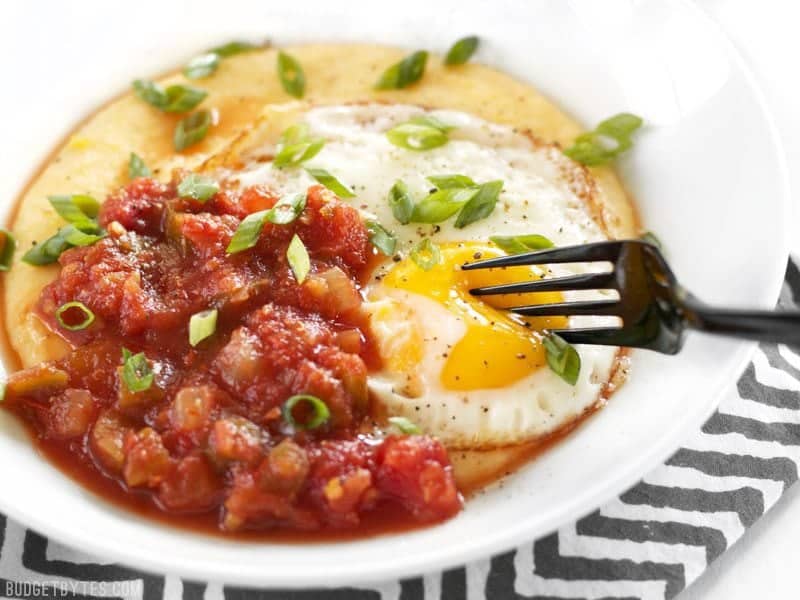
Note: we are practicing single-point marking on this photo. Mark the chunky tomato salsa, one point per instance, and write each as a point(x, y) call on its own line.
point(219, 362)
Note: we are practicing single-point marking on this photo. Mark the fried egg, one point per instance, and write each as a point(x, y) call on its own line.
point(459, 366)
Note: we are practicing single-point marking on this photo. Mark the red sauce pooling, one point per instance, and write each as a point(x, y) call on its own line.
point(208, 437)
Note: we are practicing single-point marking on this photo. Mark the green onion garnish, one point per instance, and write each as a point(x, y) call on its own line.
point(137, 167)
point(445, 182)
point(285, 211)
point(330, 182)
point(202, 66)
point(197, 187)
point(291, 75)
point(401, 202)
point(319, 412)
point(234, 47)
point(461, 51)
point(79, 209)
point(517, 244)
point(207, 63)
point(246, 235)
point(296, 146)
point(419, 134)
point(442, 204)
point(562, 358)
point(191, 129)
point(202, 325)
point(404, 73)
point(608, 140)
point(405, 425)
point(68, 314)
point(7, 246)
point(48, 251)
point(481, 204)
point(176, 98)
point(136, 372)
point(426, 254)
point(298, 258)
point(80, 237)
point(381, 238)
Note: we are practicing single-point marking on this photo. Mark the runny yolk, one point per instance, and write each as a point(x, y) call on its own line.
point(498, 347)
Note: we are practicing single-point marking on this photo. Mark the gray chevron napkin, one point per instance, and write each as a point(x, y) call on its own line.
point(647, 544)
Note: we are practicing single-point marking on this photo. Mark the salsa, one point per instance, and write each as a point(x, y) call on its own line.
point(228, 426)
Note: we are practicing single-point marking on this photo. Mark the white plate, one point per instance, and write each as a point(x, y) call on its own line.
point(707, 174)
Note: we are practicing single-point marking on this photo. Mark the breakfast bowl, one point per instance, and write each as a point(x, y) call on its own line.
point(693, 179)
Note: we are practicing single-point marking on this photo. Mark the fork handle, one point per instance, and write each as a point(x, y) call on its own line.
point(760, 325)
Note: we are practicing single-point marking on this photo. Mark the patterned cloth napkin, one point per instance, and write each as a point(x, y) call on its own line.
point(647, 544)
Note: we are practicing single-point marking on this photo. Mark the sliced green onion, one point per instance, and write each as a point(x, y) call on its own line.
point(136, 372)
point(287, 209)
point(401, 202)
point(79, 209)
point(294, 154)
point(319, 412)
point(404, 73)
point(517, 244)
point(246, 235)
point(381, 238)
point(71, 308)
point(426, 254)
point(183, 98)
point(608, 140)
point(461, 51)
point(481, 204)
point(175, 98)
point(198, 187)
point(442, 204)
point(150, 92)
point(234, 47)
point(650, 238)
point(562, 358)
point(80, 237)
point(405, 425)
point(330, 182)
point(202, 66)
point(294, 134)
point(298, 258)
point(291, 74)
point(191, 129)
point(417, 136)
point(445, 182)
point(137, 167)
point(48, 251)
point(2, 391)
point(7, 247)
point(202, 325)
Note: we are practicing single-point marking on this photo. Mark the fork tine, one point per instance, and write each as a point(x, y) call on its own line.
point(598, 336)
point(588, 281)
point(594, 307)
point(606, 251)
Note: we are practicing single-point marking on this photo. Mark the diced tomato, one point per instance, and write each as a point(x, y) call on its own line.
point(192, 486)
point(70, 414)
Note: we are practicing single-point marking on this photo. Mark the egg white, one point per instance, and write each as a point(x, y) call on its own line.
point(543, 192)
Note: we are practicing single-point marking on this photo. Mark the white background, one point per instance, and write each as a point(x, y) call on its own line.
point(764, 564)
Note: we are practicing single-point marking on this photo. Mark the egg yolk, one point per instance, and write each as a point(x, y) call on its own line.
point(498, 347)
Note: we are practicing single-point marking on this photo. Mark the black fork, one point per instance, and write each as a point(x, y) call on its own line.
point(655, 309)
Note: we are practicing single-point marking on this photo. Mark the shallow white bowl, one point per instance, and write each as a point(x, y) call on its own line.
point(707, 174)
